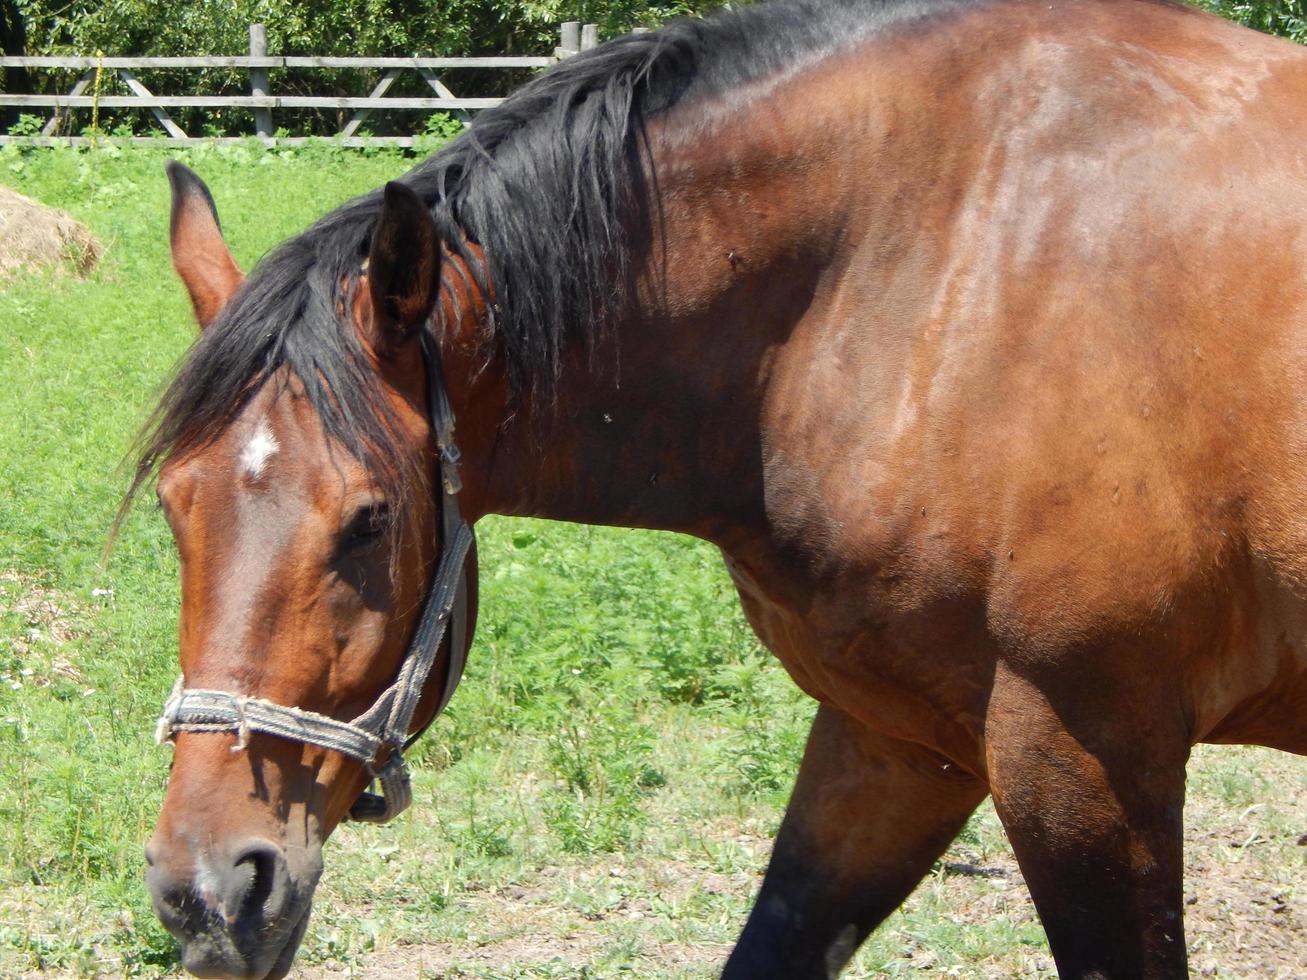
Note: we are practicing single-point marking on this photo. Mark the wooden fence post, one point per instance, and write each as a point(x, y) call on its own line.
point(589, 37)
point(569, 39)
point(259, 79)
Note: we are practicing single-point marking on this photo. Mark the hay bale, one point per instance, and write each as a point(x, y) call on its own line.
point(33, 236)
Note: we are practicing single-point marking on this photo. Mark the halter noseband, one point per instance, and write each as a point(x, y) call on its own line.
point(386, 723)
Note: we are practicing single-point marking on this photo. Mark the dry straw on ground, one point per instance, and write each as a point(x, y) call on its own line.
point(33, 236)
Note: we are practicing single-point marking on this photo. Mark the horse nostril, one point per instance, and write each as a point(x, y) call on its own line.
point(256, 886)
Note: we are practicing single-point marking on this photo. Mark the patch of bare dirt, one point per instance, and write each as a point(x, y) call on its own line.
point(1244, 916)
point(39, 647)
point(1242, 919)
point(519, 933)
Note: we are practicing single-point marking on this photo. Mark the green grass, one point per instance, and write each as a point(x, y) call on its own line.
point(580, 671)
point(599, 798)
point(81, 361)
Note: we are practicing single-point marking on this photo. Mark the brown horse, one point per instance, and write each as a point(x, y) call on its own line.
point(975, 336)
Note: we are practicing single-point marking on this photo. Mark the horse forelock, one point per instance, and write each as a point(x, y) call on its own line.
point(287, 321)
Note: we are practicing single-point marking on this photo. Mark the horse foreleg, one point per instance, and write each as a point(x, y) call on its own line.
point(1089, 784)
point(868, 817)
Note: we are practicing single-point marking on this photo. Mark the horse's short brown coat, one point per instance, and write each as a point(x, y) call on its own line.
point(980, 349)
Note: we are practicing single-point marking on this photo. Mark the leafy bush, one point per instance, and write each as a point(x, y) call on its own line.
point(338, 27)
point(1287, 18)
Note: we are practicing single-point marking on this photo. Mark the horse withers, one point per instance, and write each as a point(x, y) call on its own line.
point(975, 336)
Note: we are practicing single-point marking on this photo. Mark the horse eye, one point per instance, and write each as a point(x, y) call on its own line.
point(365, 528)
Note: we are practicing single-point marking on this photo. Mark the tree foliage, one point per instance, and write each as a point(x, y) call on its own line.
point(335, 27)
point(402, 27)
point(1287, 18)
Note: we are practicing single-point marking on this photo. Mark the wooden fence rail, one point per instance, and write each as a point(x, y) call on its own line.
point(573, 38)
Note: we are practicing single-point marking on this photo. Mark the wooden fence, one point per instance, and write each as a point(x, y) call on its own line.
point(85, 93)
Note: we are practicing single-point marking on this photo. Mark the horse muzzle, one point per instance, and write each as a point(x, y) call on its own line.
point(238, 910)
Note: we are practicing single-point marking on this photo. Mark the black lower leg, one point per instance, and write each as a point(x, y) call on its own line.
point(868, 817)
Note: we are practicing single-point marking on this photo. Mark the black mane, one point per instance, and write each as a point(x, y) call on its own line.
point(548, 184)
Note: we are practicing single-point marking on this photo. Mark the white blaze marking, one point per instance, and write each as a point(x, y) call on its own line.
point(261, 447)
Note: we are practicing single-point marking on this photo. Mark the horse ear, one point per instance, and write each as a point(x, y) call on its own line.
point(199, 253)
point(403, 267)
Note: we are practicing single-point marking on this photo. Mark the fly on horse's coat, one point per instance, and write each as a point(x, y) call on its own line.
point(973, 333)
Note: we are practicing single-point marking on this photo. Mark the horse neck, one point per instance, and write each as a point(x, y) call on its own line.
point(660, 426)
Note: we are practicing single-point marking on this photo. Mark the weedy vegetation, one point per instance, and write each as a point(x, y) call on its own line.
point(601, 795)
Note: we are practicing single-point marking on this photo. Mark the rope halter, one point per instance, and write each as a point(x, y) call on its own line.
point(386, 724)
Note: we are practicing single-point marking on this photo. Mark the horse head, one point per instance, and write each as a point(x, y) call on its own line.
point(308, 548)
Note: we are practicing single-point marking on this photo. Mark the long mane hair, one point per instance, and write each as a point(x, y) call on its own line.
point(554, 189)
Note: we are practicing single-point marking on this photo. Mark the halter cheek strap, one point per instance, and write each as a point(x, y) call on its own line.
point(386, 724)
